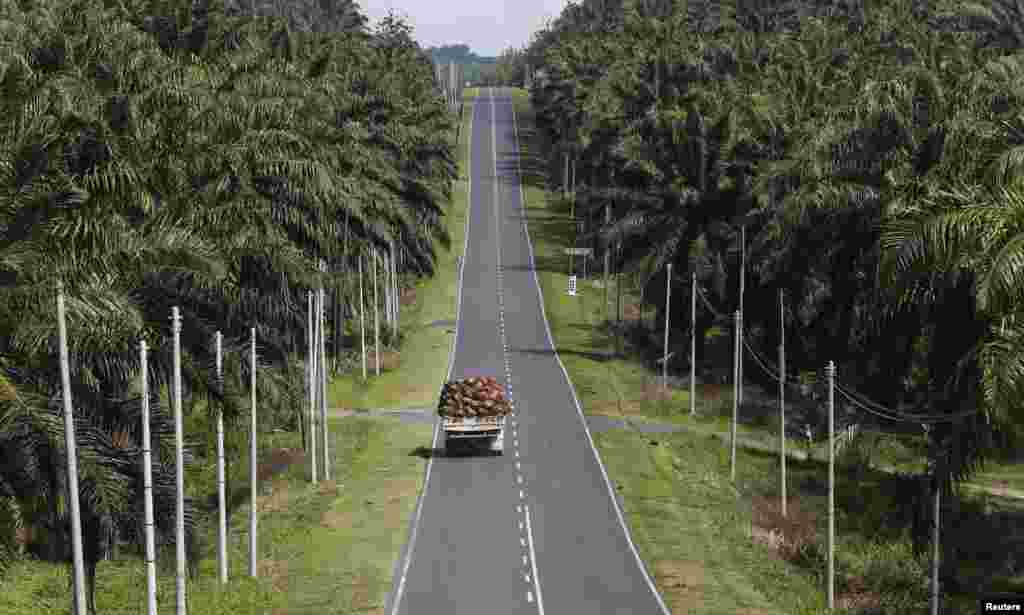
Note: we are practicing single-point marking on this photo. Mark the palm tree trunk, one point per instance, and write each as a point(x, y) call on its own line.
point(389, 294)
point(336, 326)
point(322, 383)
point(618, 284)
point(376, 315)
point(398, 289)
point(640, 283)
point(312, 383)
point(362, 316)
point(394, 283)
point(607, 259)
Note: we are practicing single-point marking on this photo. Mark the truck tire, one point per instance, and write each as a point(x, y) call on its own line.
point(497, 446)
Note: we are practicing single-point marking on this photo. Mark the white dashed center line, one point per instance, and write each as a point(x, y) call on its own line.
point(525, 510)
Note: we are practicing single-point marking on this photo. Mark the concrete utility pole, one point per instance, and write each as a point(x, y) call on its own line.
point(618, 281)
point(179, 454)
point(782, 400)
point(668, 314)
point(376, 313)
point(935, 544)
point(572, 207)
point(313, 370)
point(565, 175)
point(735, 396)
point(252, 454)
point(147, 484)
point(830, 371)
point(323, 385)
point(693, 343)
point(362, 315)
point(78, 560)
point(222, 519)
point(743, 278)
point(607, 259)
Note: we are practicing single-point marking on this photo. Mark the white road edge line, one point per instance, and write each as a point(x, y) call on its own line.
point(572, 389)
point(451, 360)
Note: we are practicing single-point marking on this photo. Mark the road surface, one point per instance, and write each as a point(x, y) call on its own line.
point(537, 530)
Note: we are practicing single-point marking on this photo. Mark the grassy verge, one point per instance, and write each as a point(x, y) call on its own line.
point(721, 547)
point(325, 549)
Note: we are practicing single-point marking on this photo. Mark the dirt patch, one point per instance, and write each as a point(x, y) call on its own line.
point(389, 360)
point(682, 583)
point(713, 393)
point(277, 501)
point(336, 520)
point(328, 488)
point(361, 599)
point(783, 535)
point(857, 597)
point(615, 408)
point(279, 460)
point(1003, 491)
point(428, 391)
point(396, 492)
point(276, 571)
point(631, 311)
point(25, 536)
point(408, 297)
point(653, 391)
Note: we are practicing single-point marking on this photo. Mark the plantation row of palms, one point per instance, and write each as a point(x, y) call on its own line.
point(872, 153)
point(160, 153)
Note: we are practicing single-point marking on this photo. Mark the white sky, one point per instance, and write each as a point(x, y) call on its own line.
point(486, 26)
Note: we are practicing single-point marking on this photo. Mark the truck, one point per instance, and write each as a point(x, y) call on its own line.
point(480, 432)
point(473, 412)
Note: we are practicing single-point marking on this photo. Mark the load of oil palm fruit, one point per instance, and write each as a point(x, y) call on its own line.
point(482, 396)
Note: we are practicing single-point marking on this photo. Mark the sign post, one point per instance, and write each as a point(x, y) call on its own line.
point(584, 252)
point(572, 286)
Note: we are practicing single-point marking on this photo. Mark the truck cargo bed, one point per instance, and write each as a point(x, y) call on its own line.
point(473, 427)
point(475, 431)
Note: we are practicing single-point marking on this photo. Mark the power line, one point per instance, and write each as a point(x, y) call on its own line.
point(886, 413)
point(858, 400)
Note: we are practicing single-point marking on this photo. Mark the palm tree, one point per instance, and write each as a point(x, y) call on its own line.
point(210, 171)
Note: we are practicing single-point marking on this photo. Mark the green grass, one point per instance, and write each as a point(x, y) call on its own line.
point(690, 528)
point(685, 515)
point(693, 525)
point(321, 551)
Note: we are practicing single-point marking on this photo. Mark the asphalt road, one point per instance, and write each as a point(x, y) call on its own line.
point(537, 530)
